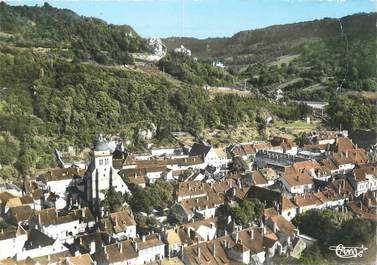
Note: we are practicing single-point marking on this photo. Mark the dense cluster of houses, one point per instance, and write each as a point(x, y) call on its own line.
point(56, 217)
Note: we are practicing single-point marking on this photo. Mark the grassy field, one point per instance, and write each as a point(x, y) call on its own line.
point(223, 137)
point(290, 129)
point(284, 59)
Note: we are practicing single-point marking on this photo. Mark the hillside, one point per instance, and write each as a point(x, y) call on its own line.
point(266, 44)
point(307, 61)
point(73, 36)
point(52, 97)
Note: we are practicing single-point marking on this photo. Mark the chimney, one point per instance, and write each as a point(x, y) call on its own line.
point(83, 212)
point(143, 238)
point(361, 205)
point(236, 237)
point(213, 248)
point(252, 234)
point(234, 192)
point(121, 247)
point(92, 247)
point(198, 251)
point(136, 247)
point(339, 188)
point(346, 153)
point(274, 227)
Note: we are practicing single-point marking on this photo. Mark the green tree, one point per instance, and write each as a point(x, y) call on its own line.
point(113, 200)
point(301, 139)
point(247, 211)
point(9, 148)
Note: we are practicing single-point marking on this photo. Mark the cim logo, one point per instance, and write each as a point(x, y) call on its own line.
point(348, 252)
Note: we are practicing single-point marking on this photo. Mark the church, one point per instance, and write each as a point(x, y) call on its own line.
point(101, 175)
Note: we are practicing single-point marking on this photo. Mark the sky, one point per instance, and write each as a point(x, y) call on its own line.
point(207, 18)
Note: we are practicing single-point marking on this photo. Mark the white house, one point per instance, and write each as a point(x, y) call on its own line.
point(364, 179)
point(62, 228)
point(297, 182)
point(182, 50)
point(204, 207)
point(12, 240)
point(57, 180)
point(135, 252)
point(206, 228)
point(307, 202)
point(11, 188)
point(214, 157)
point(120, 225)
point(39, 244)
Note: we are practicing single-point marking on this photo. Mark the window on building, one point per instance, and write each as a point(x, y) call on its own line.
point(100, 162)
point(106, 162)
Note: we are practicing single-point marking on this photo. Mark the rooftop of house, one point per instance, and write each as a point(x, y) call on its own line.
point(362, 210)
point(46, 217)
point(171, 261)
point(343, 144)
point(269, 173)
point(241, 193)
point(328, 164)
point(137, 180)
point(38, 239)
point(258, 178)
point(224, 185)
point(220, 152)
point(243, 149)
point(122, 219)
point(57, 174)
point(5, 197)
point(305, 165)
point(287, 204)
point(210, 222)
point(210, 252)
point(84, 259)
point(315, 147)
point(199, 149)
point(342, 186)
point(42, 260)
point(172, 237)
point(21, 213)
point(209, 201)
point(294, 178)
point(305, 200)
point(327, 194)
point(11, 232)
point(361, 173)
point(120, 252)
point(191, 188)
point(149, 241)
point(283, 225)
point(269, 212)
